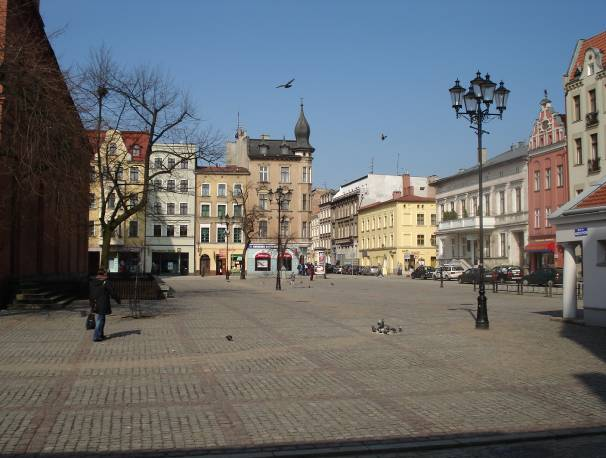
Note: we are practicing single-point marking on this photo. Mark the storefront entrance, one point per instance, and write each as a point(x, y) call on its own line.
point(170, 263)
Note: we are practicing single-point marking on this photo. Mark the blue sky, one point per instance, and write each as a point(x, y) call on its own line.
point(362, 67)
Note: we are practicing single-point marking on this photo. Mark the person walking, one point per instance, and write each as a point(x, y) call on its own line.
point(100, 293)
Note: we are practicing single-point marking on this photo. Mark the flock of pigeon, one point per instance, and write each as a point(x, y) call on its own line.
point(383, 328)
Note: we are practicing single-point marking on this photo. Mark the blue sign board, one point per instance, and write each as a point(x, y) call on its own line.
point(580, 231)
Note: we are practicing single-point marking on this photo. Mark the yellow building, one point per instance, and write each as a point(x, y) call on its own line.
point(398, 233)
point(215, 190)
point(122, 157)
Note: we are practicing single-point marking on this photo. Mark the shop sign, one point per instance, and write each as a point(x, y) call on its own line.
point(581, 231)
point(262, 246)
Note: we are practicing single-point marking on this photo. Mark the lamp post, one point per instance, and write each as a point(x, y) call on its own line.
point(282, 196)
point(481, 91)
point(227, 221)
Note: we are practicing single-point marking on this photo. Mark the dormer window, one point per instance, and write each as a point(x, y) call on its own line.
point(112, 149)
point(263, 149)
point(590, 69)
point(136, 151)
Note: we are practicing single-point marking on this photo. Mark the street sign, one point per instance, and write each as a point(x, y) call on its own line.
point(580, 231)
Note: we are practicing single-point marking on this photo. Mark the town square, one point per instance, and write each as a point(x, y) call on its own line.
point(261, 229)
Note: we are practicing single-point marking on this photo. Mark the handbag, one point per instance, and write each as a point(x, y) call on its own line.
point(90, 321)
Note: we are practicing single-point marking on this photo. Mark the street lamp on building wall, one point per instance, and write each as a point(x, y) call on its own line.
point(481, 91)
point(227, 221)
point(282, 196)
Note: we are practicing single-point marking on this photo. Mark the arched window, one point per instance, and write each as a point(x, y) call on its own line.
point(136, 151)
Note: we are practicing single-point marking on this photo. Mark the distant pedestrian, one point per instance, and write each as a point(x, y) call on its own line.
point(99, 298)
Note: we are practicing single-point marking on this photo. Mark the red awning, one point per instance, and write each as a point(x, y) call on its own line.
point(540, 247)
point(263, 256)
point(286, 256)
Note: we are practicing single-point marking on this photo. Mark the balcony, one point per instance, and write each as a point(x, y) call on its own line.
point(466, 224)
point(593, 165)
point(591, 119)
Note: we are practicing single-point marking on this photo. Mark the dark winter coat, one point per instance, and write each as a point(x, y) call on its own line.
point(100, 292)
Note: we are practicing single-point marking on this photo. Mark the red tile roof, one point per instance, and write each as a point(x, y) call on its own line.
point(595, 199)
point(597, 41)
point(130, 139)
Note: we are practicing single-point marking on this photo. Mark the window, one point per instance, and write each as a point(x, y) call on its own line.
point(237, 211)
point(171, 163)
point(463, 208)
point(420, 219)
point(263, 201)
point(136, 151)
point(157, 208)
point(518, 199)
point(537, 180)
point(285, 227)
point(304, 229)
point(170, 230)
point(183, 186)
point(170, 208)
point(592, 104)
point(134, 174)
point(502, 202)
point(184, 164)
point(205, 210)
point(170, 185)
point(305, 203)
point(433, 219)
point(474, 205)
point(221, 190)
point(263, 174)
point(547, 213)
point(183, 208)
point(284, 175)
point(487, 246)
point(133, 201)
point(487, 205)
point(157, 230)
point(221, 234)
point(503, 244)
point(433, 239)
point(158, 163)
point(92, 203)
point(91, 228)
point(111, 201)
point(237, 235)
point(157, 184)
point(285, 204)
point(305, 175)
point(183, 230)
point(119, 172)
point(576, 103)
point(537, 217)
point(204, 234)
point(263, 229)
point(420, 240)
point(112, 149)
point(560, 176)
point(205, 190)
point(237, 190)
point(221, 209)
point(578, 151)
point(133, 228)
point(593, 153)
point(391, 219)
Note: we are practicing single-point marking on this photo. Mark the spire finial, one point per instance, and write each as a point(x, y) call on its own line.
point(301, 103)
point(545, 92)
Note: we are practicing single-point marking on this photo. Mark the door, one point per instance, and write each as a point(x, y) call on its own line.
point(204, 264)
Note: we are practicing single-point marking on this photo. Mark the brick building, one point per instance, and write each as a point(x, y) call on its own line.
point(43, 173)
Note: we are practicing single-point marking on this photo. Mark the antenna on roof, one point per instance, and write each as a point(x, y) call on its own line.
point(372, 165)
point(398, 164)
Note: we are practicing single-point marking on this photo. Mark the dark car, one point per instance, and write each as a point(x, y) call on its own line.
point(472, 275)
point(546, 276)
point(506, 273)
point(329, 268)
point(419, 272)
point(429, 273)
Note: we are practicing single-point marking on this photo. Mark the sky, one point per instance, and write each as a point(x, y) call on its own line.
point(362, 68)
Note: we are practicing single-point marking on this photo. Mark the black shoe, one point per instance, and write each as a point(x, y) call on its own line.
point(97, 340)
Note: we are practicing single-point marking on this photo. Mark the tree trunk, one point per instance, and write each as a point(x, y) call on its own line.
point(107, 235)
point(243, 268)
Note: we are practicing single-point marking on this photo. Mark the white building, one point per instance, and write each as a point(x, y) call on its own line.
point(169, 228)
point(582, 222)
point(505, 211)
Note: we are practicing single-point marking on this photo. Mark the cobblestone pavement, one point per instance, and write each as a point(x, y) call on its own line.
point(303, 368)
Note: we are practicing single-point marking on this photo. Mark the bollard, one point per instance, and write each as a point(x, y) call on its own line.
point(474, 284)
point(546, 291)
point(550, 291)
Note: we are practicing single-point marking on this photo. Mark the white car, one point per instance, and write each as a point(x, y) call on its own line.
point(451, 272)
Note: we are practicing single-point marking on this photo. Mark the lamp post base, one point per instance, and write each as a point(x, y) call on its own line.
point(482, 313)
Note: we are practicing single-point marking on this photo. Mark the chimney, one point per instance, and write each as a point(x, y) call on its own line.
point(265, 137)
point(484, 155)
point(407, 189)
point(396, 194)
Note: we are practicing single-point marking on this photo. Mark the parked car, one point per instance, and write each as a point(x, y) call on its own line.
point(428, 273)
point(546, 276)
point(452, 272)
point(472, 275)
point(419, 272)
point(374, 270)
point(329, 268)
point(507, 273)
point(339, 269)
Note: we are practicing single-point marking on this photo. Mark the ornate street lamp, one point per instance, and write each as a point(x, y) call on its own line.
point(282, 196)
point(227, 221)
point(481, 91)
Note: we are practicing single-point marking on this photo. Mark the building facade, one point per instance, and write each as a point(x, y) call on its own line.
point(170, 226)
point(123, 156)
point(398, 234)
point(218, 192)
point(548, 185)
point(273, 164)
point(505, 211)
point(325, 246)
point(586, 113)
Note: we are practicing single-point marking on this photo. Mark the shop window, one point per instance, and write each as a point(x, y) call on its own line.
point(262, 262)
point(286, 262)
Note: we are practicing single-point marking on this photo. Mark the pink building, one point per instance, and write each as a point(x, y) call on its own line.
point(547, 185)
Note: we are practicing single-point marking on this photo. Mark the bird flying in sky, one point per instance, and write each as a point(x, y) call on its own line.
point(383, 136)
point(286, 85)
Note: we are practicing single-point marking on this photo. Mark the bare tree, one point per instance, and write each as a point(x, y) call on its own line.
point(249, 220)
point(144, 100)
